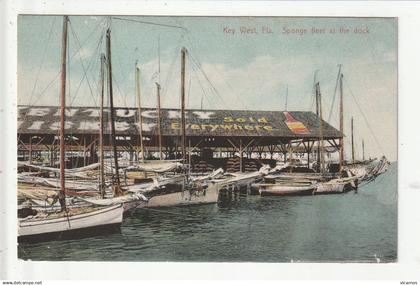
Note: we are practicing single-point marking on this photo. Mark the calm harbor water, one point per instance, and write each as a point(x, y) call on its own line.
point(352, 227)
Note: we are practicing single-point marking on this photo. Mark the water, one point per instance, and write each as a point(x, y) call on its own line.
point(338, 228)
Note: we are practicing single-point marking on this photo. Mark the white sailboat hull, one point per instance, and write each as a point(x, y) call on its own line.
point(183, 198)
point(109, 216)
point(324, 188)
point(337, 186)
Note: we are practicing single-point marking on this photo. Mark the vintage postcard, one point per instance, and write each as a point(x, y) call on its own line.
point(207, 139)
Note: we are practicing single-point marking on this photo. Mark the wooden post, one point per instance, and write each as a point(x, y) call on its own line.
point(352, 141)
point(159, 120)
point(101, 130)
point(183, 135)
point(341, 142)
point(140, 118)
point(62, 195)
point(117, 188)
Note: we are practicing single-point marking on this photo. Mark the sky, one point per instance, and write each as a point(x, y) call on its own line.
point(225, 68)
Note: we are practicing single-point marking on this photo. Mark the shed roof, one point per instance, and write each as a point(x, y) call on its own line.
point(44, 120)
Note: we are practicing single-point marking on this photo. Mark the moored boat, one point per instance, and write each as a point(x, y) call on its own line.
point(72, 223)
point(36, 225)
point(286, 190)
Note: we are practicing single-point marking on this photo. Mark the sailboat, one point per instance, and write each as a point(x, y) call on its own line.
point(128, 200)
point(68, 222)
point(183, 189)
point(351, 173)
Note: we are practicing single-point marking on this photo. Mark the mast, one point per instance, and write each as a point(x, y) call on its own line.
point(363, 149)
point(183, 138)
point(352, 141)
point(341, 141)
point(62, 194)
point(117, 188)
point(101, 130)
point(159, 121)
point(139, 111)
point(287, 94)
point(321, 129)
point(318, 152)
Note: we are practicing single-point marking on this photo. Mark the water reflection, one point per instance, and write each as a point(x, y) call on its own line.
point(348, 227)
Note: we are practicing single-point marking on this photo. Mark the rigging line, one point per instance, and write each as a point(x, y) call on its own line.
point(122, 94)
point(83, 66)
point(97, 55)
point(216, 92)
point(149, 23)
point(202, 88)
point(313, 89)
point(204, 94)
point(191, 41)
point(207, 78)
point(118, 60)
point(198, 63)
point(165, 88)
point(312, 104)
point(42, 61)
point(59, 72)
point(92, 60)
point(364, 117)
point(171, 67)
point(335, 93)
point(188, 93)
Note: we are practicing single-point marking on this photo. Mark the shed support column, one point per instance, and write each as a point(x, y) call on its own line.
point(92, 152)
point(309, 152)
point(189, 155)
point(240, 155)
point(84, 150)
point(285, 156)
point(30, 149)
point(50, 152)
point(131, 155)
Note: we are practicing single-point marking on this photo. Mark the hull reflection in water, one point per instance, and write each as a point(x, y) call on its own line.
point(186, 197)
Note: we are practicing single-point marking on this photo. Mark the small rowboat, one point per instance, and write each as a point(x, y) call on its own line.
point(285, 190)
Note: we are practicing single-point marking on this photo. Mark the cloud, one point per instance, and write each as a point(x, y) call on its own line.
point(259, 84)
point(42, 87)
point(84, 53)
